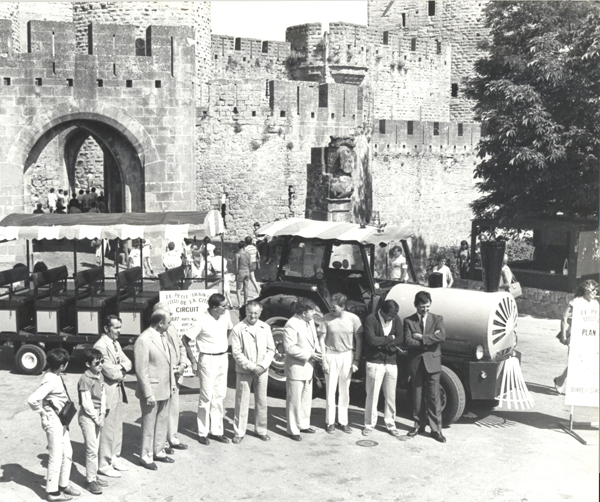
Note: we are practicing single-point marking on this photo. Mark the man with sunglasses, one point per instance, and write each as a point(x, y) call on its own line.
point(210, 333)
point(116, 366)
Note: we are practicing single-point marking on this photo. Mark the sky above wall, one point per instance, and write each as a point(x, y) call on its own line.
point(267, 20)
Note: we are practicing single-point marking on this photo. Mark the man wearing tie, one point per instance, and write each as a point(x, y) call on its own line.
point(179, 362)
point(116, 365)
point(156, 382)
point(301, 354)
point(423, 334)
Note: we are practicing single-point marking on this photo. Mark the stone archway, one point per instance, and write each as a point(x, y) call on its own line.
point(128, 150)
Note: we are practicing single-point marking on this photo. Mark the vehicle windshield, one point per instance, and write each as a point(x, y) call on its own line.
point(304, 258)
point(346, 257)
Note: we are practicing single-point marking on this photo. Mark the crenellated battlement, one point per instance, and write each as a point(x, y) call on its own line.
point(420, 137)
point(112, 58)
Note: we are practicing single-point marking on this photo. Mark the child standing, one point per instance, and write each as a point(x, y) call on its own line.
point(92, 399)
point(49, 397)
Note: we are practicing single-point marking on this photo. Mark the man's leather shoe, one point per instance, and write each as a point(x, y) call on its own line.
point(151, 466)
point(165, 459)
point(264, 437)
point(394, 432)
point(438, 437)
point(295, 437)
point(169, 451)
point(366, 431)
point(346, 428)
point(309, 430)
point(179, 446)
point(237, 439)
point(416, 430)
point(330, 429)
point(220, 439)
point(203, 440)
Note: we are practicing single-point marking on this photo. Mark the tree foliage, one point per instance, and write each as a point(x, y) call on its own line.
point(537, 93)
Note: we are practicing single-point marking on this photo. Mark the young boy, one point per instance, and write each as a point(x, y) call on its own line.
point(92, 399)
point(49, 397)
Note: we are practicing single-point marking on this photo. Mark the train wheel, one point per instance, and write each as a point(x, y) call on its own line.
point(30, 359)
point(452, 394)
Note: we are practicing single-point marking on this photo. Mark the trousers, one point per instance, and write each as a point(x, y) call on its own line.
point(213, 388)
point(244, 383)
point(111, 437)
point(91, 439)
point(339, 375)
point(427, 405)
point(155, 423)
point(298, 404)
point(173, 418)
point(378, 375)
point(60, 454)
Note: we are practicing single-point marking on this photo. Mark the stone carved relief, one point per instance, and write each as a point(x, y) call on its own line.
point(341, 164)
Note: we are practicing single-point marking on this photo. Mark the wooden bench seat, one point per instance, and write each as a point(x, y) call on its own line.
point(16, 305)
point(93, 301)
point(135, 303)
point(54, 302)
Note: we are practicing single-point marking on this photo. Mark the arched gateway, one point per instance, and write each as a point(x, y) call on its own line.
point(139, 110)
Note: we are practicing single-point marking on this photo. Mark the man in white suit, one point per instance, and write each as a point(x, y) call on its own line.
point(179, 362)
point(156, 383)
point(116, 365)
point(301, 353)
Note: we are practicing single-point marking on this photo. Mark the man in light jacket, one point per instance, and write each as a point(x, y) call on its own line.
point(115, 367)
point(156, 382)
point(179, 362)
point(253, 350)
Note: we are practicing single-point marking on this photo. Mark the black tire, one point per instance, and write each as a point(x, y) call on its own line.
point(30, 359)
point(276, 370)
point(452, 395)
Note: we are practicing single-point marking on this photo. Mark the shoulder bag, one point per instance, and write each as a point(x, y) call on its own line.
point(68, 411)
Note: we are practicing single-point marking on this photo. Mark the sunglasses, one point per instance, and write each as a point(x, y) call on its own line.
point(98, 362)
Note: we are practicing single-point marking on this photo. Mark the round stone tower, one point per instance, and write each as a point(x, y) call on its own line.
point(144, 14)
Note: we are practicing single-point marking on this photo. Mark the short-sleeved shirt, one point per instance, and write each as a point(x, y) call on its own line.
point(210, 334)
point(339, 331)
point(94, 384)
point(252, 251)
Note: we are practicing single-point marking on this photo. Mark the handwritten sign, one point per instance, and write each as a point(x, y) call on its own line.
point(582, 378)
point(185, 307)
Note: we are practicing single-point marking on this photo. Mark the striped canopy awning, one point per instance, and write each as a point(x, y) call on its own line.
point(172, 226)
point(326, 230)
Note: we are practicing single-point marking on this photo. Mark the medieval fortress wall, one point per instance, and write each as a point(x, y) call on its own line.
point(242, 120)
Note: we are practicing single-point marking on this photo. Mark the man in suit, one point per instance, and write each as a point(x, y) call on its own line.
point(179, 362)
point(253, 349)
point(383, 339)
point(301, 354)
point(115, 367)
point(423, 334)
point(156, 383)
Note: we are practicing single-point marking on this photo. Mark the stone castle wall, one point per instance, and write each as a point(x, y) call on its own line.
point(148, 99)
point(250, 111)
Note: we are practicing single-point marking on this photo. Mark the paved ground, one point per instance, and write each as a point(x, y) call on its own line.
point(498, 455)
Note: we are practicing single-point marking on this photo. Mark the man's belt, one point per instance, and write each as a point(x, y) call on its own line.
point(217, 354)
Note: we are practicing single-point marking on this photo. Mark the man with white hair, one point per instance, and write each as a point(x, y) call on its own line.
point(179, 362)
point(253, 350)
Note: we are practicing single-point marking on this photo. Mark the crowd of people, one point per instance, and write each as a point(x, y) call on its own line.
point(83, 201)
point(162, 354)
